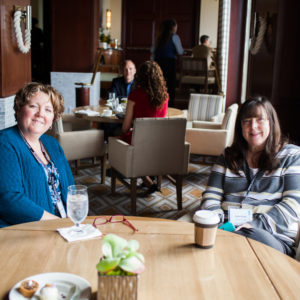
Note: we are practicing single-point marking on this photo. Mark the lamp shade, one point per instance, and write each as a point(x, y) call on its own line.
point(108, 19)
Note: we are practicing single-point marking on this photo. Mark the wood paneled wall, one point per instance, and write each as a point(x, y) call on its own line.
point(15, 66)
point(141, 20)
point(274, 71)
point(74, 31)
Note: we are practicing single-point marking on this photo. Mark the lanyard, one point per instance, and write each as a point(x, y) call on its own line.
point(49, 175)
point(251, 179)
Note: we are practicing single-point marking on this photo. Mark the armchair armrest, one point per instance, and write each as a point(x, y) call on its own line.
point(120, 155)
point(218, 118)
point(82, 144)
point(207, 141)
point(206, 125)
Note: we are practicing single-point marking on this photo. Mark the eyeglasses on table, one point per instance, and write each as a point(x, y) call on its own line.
point(113, 219)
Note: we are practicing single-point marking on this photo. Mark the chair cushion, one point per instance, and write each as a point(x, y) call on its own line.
point(203, 106)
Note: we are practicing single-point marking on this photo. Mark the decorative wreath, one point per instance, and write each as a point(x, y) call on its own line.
point(258, 39)
point(24, 48)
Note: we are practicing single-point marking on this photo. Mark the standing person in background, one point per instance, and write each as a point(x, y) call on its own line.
point(166, 49)
point(203, 50)
point(122, 86)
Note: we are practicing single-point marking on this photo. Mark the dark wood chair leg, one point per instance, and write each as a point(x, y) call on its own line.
point(77, 165)
point(133, 182)
point(179, 191)
point(113, 180)
point(159, 182)
point(103, 168)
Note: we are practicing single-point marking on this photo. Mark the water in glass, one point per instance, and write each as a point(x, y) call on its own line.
point(77, 206)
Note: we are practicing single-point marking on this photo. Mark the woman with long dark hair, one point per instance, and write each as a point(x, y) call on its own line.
point(149, 99)
point(255, 184)
point(167, 47)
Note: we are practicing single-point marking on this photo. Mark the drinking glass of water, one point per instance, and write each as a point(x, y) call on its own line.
point(111, 95)
point(77, 207)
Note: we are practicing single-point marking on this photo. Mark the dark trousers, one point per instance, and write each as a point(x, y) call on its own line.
point(168, 66)
point(266, 238)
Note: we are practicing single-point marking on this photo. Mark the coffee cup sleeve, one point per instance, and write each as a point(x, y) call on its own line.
point(227, 227)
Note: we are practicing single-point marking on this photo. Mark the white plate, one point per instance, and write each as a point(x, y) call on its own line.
point(69, 286)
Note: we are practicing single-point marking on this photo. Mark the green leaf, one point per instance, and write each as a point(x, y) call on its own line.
point(133, 245)
point(116, 243)
point(140, 257)
point(132, 264)
point(107, 264)
point(107, 250)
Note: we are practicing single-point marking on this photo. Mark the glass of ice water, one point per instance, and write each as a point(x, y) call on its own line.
point(77, 207)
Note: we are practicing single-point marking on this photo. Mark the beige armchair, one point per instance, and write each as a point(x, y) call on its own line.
point(158, 148)
point(209, 138)
point(204, 107)
point(80, 141)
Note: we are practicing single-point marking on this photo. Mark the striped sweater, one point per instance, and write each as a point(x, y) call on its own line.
point(274, 198)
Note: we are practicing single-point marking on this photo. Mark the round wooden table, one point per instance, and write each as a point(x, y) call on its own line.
point(171, 113)
point(236, 268)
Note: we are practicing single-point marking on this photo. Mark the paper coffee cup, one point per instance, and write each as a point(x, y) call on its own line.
point(206, 224)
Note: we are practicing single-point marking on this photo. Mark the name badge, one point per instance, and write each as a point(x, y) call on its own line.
point(61, 209)
point(239, 216)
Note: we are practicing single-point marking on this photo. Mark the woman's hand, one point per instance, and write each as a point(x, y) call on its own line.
point(246, 225)
point(48, 216)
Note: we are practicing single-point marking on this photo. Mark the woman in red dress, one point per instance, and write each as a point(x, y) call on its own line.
point(149, 99)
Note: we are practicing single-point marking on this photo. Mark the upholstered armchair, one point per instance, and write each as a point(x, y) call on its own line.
point(80, 141)
point(158, 148)
point(208, 138)
point(204, 107)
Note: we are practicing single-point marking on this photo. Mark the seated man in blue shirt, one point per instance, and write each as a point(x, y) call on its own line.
point(122, 86)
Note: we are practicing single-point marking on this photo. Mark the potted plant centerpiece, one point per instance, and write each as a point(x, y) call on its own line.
point(104, 38)
point(118, 269)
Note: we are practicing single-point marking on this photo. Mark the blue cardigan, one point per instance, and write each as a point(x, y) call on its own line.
point(24, 191)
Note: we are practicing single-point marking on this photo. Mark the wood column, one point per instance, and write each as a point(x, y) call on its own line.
point(75, 27)
point(14, 65)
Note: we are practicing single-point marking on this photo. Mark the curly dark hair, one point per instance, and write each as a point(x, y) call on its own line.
point(24, 95)
point(236, 154)
point(165, 32)
point(150, 78)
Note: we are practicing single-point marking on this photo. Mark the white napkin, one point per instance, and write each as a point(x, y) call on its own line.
point(91, 233)
point(87, 112)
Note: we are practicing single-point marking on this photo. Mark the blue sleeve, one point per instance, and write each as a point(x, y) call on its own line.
point(15, 207)
point(177, 43)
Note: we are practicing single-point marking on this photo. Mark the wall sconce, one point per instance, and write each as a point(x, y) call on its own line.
point(108, 19)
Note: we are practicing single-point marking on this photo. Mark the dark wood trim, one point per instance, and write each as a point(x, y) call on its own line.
point(236, 50)
point(15, 66)
point(75, 25)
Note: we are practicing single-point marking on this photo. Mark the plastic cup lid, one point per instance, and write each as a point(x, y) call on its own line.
point(206, 217)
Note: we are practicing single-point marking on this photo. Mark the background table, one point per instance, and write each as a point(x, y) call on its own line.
point(236, 268)
point(171, 113)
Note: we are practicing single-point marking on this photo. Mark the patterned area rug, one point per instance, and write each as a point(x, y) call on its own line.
point(159, 204)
